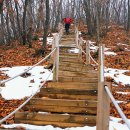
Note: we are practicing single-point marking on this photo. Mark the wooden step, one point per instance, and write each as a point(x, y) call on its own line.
point(68, 36)
point(66, 54)
point(71, 56)
point(78, 91)
point(68, 64)
point(73, 85)
point(72, 60)
point(79, 65)
point(62, 106)
point(77, 79)
point(67, 43)
point(63, 93)
point(76, 69)
point(57, 120)
point(76, 74)
point(68, 39)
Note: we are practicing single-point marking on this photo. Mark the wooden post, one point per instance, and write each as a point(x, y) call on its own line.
point(87, 52)
point(77, 37)
point(80, 48)
point(103, 106)
point(60, 27)
point(56, 59)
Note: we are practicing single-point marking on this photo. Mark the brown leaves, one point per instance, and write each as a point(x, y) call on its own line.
point(32, 81)
point(7, 106)
point(3, 76)
point(19, 55)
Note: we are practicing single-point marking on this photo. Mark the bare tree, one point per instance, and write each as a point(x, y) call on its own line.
point(128, 21)
point(46, 25)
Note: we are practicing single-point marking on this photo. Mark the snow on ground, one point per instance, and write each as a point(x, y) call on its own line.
point(114, 125)
point(21, 87)
point(74, 50)
point(110, 53)
point(118, 75)
point(94, 48)
point(49, 39)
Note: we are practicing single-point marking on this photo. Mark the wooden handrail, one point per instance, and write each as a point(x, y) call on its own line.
point(56, 45)
point(103, 106)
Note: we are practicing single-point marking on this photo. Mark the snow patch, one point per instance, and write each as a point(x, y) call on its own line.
point(74, 50)
point(21, 87)
point(110, 53)
point(118, 75)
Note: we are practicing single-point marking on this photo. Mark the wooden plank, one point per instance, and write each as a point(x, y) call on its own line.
point(78, 79)
point(74, 65)
point(71, 73)
point(55, 124)
point(48, 117)
point(62, 102)
point(103, 109)
point(68, 91)
point(73, 85)
point(77, 69)
point(66, 96)
point(73, 57)
point(66, 54)
point(70, 60)
point(69, 38)
point(61, 109)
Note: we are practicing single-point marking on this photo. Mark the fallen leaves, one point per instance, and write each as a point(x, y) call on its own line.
point(119, 42)
point(3, 76)
point(20, 55)
point(32, 81)
point(6, 107)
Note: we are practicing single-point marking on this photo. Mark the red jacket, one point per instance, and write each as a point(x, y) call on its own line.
point(68, 20)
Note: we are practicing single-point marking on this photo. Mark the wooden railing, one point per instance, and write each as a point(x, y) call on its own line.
point(56, 42)
point(103, 105)
point(104, 93)
point(79, 42)
point(104, 96)
point(55, 53)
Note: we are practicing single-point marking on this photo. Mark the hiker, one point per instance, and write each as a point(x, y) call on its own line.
point(67, 22)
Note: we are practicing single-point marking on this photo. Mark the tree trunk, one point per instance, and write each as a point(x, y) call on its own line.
point(2, 35)
point(46, 25)
point(128, 21)
point(18, 22)
point(24, 36)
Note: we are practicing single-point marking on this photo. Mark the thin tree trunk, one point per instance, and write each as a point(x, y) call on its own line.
point(24, 36)
point(18, 22)
point(46, 25)
point(128, 22)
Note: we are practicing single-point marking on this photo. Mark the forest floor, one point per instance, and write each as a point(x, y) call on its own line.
point(117, 40)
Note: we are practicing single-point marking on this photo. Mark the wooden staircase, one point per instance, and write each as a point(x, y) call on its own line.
point(70, 102)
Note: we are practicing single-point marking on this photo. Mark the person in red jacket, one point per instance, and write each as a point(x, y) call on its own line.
point(67, 22)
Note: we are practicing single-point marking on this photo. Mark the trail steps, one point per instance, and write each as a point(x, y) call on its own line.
point(70, 102)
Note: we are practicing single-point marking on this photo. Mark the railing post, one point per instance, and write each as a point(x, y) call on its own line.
point(103, 106)
point(87, 52)
point(80, 47)
point(61, 28)
point(77, 36)
point(56, 58)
